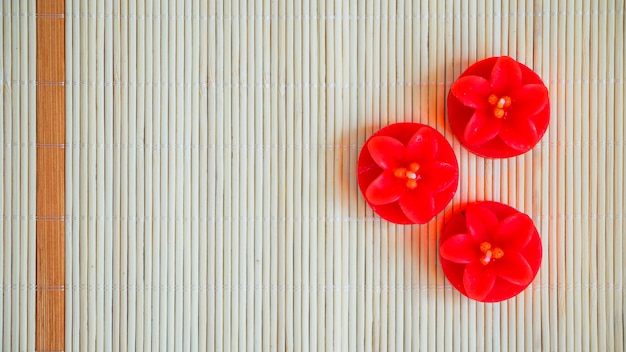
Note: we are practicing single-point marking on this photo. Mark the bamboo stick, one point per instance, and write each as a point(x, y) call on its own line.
point(83, 249)
point(619, 213)
point(315, 181)
point(288, 162)
point(585, 192)
point(29, 252)
point(189, 90)
point(212, 170)
point(19, 178)
point(101, 193)
point(15, 182)
point(259, 78)
point(132, 175)
point(600, 138)
point(140, 149)
point(295, 21)
point(243, 167)
point(117, 179)
point(577, 193)
point(334, 328)
point(302, 338)
point(170, 142)
point(593, 179)
point(91, 166)
point(147, 27)
point(159, 214)
point(71, 220)
point(322, 210)
point(178, 135)
point(109, 148)
point(276, 185)
point(9, 316)
point(561, 184)
point(359, 232)
point(569, 172)
point(268, 79)
point(343, 136)
point(230, 190)
point(609, 125)
point(193, 10)
point(203, 169)
point(219, 229)
point(5, 108)
point(554, 247)
point(543, 67)
point(247, 251)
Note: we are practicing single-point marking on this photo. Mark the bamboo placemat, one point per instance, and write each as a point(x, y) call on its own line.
point(211, 197)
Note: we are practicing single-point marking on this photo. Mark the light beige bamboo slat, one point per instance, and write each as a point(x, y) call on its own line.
point(232, 271)
point(620, 148)
point(212, 169)
point(150, 220)
point(542, 65)
point(303, 270)
point(287, 155)
point(139, 218)
point(4, 107)
point(315, 182)
point(603, 326)
point(194, 130)
point(180, 298)
point(203, 169)
point(267, 283)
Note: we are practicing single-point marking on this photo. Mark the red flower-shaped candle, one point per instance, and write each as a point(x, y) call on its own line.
point(490, 252)
point(498, 108)
point(408, 173)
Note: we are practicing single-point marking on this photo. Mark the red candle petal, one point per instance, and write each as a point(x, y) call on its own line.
point(425, 151)
point(386, 151)
point(418, 206)
point(439, 176)
point(455, 249)
point(530, 99)
point(514, 268)
point(525, 229)
point(422, 146)
point(385, 189)
point(481, 128)
point(504, 253)
point(519, 134)
point(472, 91)
point(477, 281)
point(513, 121)
point(505, 76)
point(479, 221)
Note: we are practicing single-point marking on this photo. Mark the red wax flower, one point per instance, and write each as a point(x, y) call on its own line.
point(490, 252)
point(498, 108)
point(408, 173)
